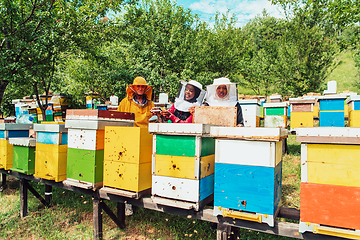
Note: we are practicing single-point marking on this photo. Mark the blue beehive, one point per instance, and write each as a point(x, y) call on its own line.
point(332, 111)
point(248, 185)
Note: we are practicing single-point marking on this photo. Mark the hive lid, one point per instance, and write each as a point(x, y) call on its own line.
point(15, 126)
point(281, 104)
point(50, 128)
point(249, 101)
point(332, 97)
point(353, 98)
point(249, 133)
point(335, 135)
point(26, 141)
point(194, 129)
point(96, 124)
point(302, 100)
point(97, 114)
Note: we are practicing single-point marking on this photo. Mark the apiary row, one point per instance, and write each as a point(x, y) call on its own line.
point(190, 165)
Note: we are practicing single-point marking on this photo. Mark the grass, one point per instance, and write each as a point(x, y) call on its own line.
point(70, 216)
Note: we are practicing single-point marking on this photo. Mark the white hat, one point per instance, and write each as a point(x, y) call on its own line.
point(221, 81)
point(195, 84)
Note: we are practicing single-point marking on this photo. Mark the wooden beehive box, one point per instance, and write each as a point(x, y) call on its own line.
point(8, 131)
point(332, 113)
point(248, 172)
point(85, 159)
point(23, 155)
point(330, 181)
point(223, 116)
point(182, 164)
point(127, 161)
point(301, 112)
point(275, 115)
point(354, 111)
point(251, 112)
point(50, 157)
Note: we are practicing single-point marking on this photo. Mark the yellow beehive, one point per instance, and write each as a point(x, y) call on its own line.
point(6, 154)
point(50, 161)
point(353, 111)
point(127, 158)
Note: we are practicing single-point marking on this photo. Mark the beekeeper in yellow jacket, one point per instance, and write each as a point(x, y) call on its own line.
point(138, 101)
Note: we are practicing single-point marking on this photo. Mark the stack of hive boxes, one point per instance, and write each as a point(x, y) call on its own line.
point(23, 155)
point(86, 128)
point(127, 161)
point(330, 181)
point(248, 172)
point(332, 111)
point(251, 112)
point(275, 115)
point(51, 150)
point(182, 164)
point(8, 131)
point(354, 110)
point(301, 112)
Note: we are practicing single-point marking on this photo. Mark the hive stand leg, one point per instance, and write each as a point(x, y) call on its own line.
point(97, 218)
point(226, 232)
point(23, 197)
point(3, 182)
point(121, 213)
point(48, 193)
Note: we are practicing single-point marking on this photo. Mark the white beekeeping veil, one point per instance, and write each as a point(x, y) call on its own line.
point(229, 100)
point(183, 105)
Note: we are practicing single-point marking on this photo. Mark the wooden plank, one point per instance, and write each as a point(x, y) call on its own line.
point(97, 124)
point(211, 115)
point(248, 188)
point(206, 187)
point(129, 194)
point(266, 134)
point(354, 118)
point(97, 218)
point(130, 145)
point(127, 176)
point(328, 140)
point(6, 154)
point(175, 145)
point(23, 141)
point(275, 121)
point(15, 126)
point(56, 138)
point(50, 128)
point(175, 166)
point(112, 215)
point(195, 129)
point(176, 188)
point(88, 139)
point(86, 168)
point(301, 119)
point(23, 197)
point(254, 153)
point(331, 205)
point(331, 119)
point(93, 114)
point(23, 159)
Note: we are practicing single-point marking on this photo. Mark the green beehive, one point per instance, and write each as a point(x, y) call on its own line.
point(23, 155)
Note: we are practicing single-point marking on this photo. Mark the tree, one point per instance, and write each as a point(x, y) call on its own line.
point(35, 33)
point(257, 66)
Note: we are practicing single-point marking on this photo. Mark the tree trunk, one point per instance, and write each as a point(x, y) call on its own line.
point(3, 85)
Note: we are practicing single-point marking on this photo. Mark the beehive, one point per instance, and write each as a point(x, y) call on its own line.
point(23, 155)
point(332, 112)
point(330, 182)
point(86, 130)
point(8, 131)
point(248, 172)
point(182, 164)
point(127, 158)
point(301, 112)
point(251, 112)
point(275, 115)
point(354, 111)
point(51, 151)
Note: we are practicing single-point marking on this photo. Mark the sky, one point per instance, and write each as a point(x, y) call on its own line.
point(243, 9)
